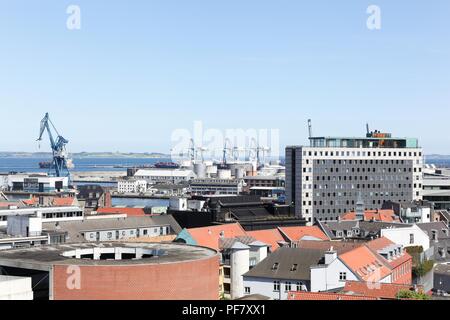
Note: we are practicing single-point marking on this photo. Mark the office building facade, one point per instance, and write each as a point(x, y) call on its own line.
point(324, 180)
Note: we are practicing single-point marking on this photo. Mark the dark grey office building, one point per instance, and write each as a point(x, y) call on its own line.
point(324, 179)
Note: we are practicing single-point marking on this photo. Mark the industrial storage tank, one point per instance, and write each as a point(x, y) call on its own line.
point(247, 166)
point(239, 173)
point(224, 174)
point(200, 170)
point(186, 164)
point(211, 170)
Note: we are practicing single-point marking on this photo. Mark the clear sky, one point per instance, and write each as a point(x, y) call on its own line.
point(138, 70)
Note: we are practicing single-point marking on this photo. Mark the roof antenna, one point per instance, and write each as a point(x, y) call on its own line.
point(310, 128)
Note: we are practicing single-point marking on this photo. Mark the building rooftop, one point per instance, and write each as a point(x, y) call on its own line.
point(317, 296)
point(441, 229)
point(442, 269)
point(130, 212)
point(382, 215)
point(272, 237)
point(376, 290)
point(367, 265)
point(288, 264)
point(299, 233)
point(164, 173)
point(75, 229)
point(339, 246)
point(371, 228)
point(44, 257)
point(210, 236)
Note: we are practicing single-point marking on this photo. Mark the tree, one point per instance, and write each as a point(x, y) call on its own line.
point(409, 294)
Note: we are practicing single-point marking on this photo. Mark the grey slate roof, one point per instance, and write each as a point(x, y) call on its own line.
point(228, 243)
point(437, 226)
point(75, 228)
point(286, 257)
point(370, 228)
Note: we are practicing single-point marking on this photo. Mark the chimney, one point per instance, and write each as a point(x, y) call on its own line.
point(330, 256)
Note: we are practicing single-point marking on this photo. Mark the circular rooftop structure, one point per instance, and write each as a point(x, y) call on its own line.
point(120, 271)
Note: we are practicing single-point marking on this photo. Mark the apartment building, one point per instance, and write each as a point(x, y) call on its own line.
point(131, 185)
point(324, 179)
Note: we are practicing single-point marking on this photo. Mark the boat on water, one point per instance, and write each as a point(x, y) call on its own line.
point(158, 165)
point(46, 165)
point(51, 165)
point(167, 165)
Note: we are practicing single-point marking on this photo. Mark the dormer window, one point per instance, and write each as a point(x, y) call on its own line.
point(294, 267)
point(434, 235)
point(275, 266)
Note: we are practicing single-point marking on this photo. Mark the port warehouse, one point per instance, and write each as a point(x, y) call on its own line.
point(49, 214)
point(36, 183)
point(116, 271)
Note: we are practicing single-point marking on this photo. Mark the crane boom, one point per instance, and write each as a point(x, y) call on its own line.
point(58, 146)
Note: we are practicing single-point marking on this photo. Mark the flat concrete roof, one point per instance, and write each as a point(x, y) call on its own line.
point(44, 257)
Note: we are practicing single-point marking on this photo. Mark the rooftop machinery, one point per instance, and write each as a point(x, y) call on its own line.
point(58, 145)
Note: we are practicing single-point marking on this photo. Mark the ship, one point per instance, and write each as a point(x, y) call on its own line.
point(51, 165)
point(167, 165)
point(46, 165)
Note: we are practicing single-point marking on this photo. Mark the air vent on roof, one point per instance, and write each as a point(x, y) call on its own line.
point(275, 266)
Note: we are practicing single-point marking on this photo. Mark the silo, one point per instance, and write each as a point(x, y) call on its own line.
point(239, 262)
point(224, 174)
point(186, 164)
point(239, 173)
point(200, 170)
point(211, 170)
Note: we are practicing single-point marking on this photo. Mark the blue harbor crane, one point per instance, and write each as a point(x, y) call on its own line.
point(58, 147)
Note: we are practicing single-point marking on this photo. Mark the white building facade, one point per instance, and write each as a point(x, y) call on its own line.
point(132, 186)
point(408, 236)
point(174, 176)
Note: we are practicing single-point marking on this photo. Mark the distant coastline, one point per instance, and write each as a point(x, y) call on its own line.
point(82, 155)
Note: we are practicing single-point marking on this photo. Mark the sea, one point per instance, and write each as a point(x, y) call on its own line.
point(81, 164)
point(31, 164)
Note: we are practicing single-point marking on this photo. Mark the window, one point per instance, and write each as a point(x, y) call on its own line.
point(294, 267)
point(109, 235)
point(342, 276)
point(275, 266)
point(287, 286)
point(276, 286)
point(411, 238)
point(247, 290)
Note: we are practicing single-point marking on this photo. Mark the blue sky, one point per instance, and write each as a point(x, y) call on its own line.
point(138, 70)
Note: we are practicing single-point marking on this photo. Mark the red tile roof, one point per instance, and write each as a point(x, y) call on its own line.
point(384, 242)
point(271, 237)
point(316, 296)
point(376, 290)
point(130, 212)
point(5, 204)
point(339, 246)
point(366, 264)
point(382, 215)
point(297, 233)
point(31, 202)
point(63, 202)
point(55, 201)
point(209, 236)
